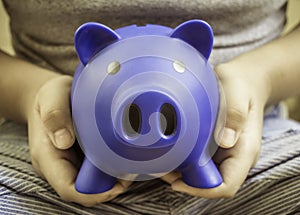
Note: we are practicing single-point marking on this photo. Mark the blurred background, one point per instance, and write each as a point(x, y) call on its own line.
point(293, 18)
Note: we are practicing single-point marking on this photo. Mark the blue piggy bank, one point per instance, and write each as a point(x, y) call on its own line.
point(144, 102)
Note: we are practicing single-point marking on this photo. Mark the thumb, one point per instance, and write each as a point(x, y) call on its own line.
point(55, 114)
point(232, 116)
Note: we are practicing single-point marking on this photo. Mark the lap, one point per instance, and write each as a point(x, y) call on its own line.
point(272, 186)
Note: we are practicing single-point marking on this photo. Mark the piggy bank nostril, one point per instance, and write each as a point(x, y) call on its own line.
point(168, 119)
point(132, 120)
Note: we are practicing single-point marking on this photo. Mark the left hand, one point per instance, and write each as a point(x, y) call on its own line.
point(245, 94)
point(51, 139)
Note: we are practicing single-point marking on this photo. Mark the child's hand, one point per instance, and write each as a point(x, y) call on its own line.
point(246, 93)
point(51, 137)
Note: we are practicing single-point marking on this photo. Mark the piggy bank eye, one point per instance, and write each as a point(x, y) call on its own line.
point(179, 66)
point(113, 68)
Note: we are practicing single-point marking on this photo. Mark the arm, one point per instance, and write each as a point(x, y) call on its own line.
point(279, 60)
point(19, 81)
point(250, 82)
point(273, 71)
point(285, 74)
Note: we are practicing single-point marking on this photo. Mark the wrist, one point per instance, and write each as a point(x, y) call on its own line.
point(41, 77)
point(247, 72)
point(19, 82)
point(278, 62)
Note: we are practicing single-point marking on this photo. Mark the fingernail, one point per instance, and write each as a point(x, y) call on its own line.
point(228, 137)
point(62, 138)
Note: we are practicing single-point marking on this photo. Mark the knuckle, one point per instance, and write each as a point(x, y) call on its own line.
point(50, 115)
point(55, 119)
point(237, 113)
point(236, 116)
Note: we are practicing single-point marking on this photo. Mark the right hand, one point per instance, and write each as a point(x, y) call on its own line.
point(238, 129)
point(51, 139)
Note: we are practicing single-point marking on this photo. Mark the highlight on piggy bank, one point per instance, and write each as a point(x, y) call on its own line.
point(144, 103)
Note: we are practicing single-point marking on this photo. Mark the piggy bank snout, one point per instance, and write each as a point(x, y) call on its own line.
point(134, 124)
point(148, 118)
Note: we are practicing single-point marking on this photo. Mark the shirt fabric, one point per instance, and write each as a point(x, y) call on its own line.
point(43, 30)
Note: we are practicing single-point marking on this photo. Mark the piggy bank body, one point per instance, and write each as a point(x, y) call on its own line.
point(144, 102)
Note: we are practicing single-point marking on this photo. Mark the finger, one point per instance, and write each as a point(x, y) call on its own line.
point(232, 116)
point(60, 171)
point(233, 170)
point(54, 110)
point(61, 175)
point(250, 138)
point(171, 177)
point(235, 162)
point(125, 183)
point(60, 168)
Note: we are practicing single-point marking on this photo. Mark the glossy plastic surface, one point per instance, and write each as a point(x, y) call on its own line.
point(149, 67)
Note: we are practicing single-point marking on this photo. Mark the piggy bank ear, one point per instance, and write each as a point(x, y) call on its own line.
point(92, 37)
point(198, 34)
